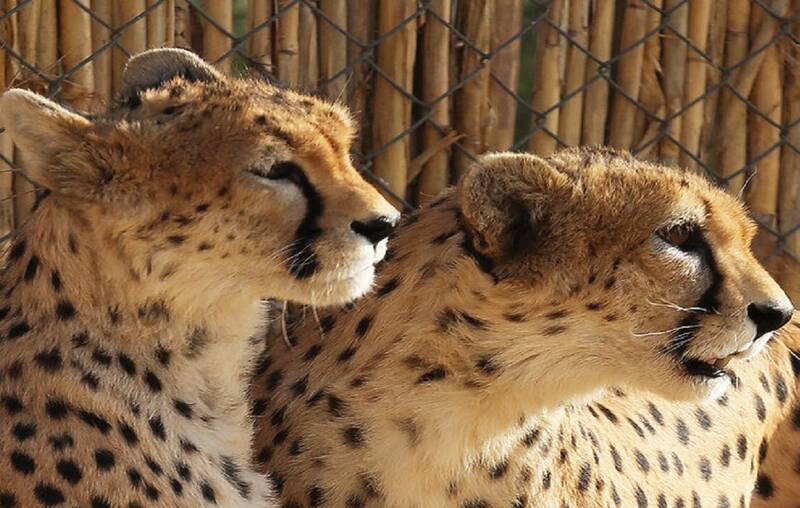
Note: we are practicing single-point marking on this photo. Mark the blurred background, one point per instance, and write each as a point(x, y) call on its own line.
point(710, 85)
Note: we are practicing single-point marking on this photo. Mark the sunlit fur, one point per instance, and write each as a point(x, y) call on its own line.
point(473, 376)
point(131, 308)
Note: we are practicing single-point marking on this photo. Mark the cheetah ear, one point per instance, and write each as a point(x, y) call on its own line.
point(150, 69)
point(49, 137)
point(507, 200)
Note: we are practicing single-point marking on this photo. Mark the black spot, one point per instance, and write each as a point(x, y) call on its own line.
point(80, 340)
point(23, 431)
point(152, 381)
point(65, 310)
point(316, 496)
point(761, 410)
point(61, 442)
point(764, 487)
point(48, 495)
point(300, 386)
point(436, 374)
point(55, 281)
point(127, 364)
point(616, 458)
point(163, 355)
point(531, 437)
point(18, 330)
point(11, 404)
point(95, 420)
point(233, 475)
point(683, 431)
point(388, 286)
point(312, 352)
point(278, 417)
point(56, 408)
point(183, 408)
point(346, 354)
point(70, 471)
point(91, 380)
point(49, 360)
point(184, 471)
point(763, 448)
point(157, 427)
point(741, 446)
point(100, 502)
point(608, 414)
point(32, 269)
point(363, 326)
point(781, 392)
point(208, 492)
point(354, 436)
point(641, 498)
point(642, 462)
point(134, 476)
point(176, 239)
point(101, 357)
point(22, 462)
point(705, 468)
point(336, 406)
point(258, 407)
point(725, 455)
point(17, 250)
point(128, 433)
point(104, 459)
point(703, 419)
point(585, 477)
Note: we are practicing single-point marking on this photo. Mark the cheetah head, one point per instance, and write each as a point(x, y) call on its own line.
point(196, 173)
point(645, 273)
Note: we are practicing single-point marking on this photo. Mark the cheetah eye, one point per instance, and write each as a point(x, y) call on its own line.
point(284, 170)
point(685, 237)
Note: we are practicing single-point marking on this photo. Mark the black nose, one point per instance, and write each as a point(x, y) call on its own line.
point(769, 316)
point(374, 230)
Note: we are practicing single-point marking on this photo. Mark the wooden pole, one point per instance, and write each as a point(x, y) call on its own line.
point(261, 42)
point(595, 109)
point(650, 114)
point(183, 24)
point(733, 128)
point(101, 65)
point(675, 51)
point(216, 41)
point(569, 125)
point(288, 44)
point(392, 110)
point(695, 85)
point(308, 48)
point(6, 147)
point(133, 39)
point(547, 86)
point(157, 24)
point(507, 22)
point(76, 45)
point(471, 100)
point(435, 53)
point(360, 26)
point(47, 46)
point(333, 47)
point(789, 191)
point(716, 52)
point(629, 75)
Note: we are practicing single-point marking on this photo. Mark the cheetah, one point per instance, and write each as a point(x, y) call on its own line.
point(131, 311)
point(581, 330)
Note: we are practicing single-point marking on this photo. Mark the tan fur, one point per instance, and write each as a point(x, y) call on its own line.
point(480, 373)
point(130, 312)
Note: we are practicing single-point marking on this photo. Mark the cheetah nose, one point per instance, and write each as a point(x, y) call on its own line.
point(769, 316)
point(374, 230)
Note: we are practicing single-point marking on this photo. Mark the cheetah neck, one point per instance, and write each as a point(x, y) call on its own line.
point(424, 341)
point(73, 293)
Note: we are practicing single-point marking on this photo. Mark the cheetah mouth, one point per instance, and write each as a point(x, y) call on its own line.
point(711, 369)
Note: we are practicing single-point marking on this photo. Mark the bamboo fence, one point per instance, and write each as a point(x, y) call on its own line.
point(711, 85)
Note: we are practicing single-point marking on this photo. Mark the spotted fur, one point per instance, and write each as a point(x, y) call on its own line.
point(519, 351)
point(130, 312)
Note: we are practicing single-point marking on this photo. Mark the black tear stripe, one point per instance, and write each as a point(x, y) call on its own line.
point(709, 300)
point(303, 261)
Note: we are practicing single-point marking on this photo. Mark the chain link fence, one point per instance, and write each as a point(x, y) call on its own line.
point(711, 85)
